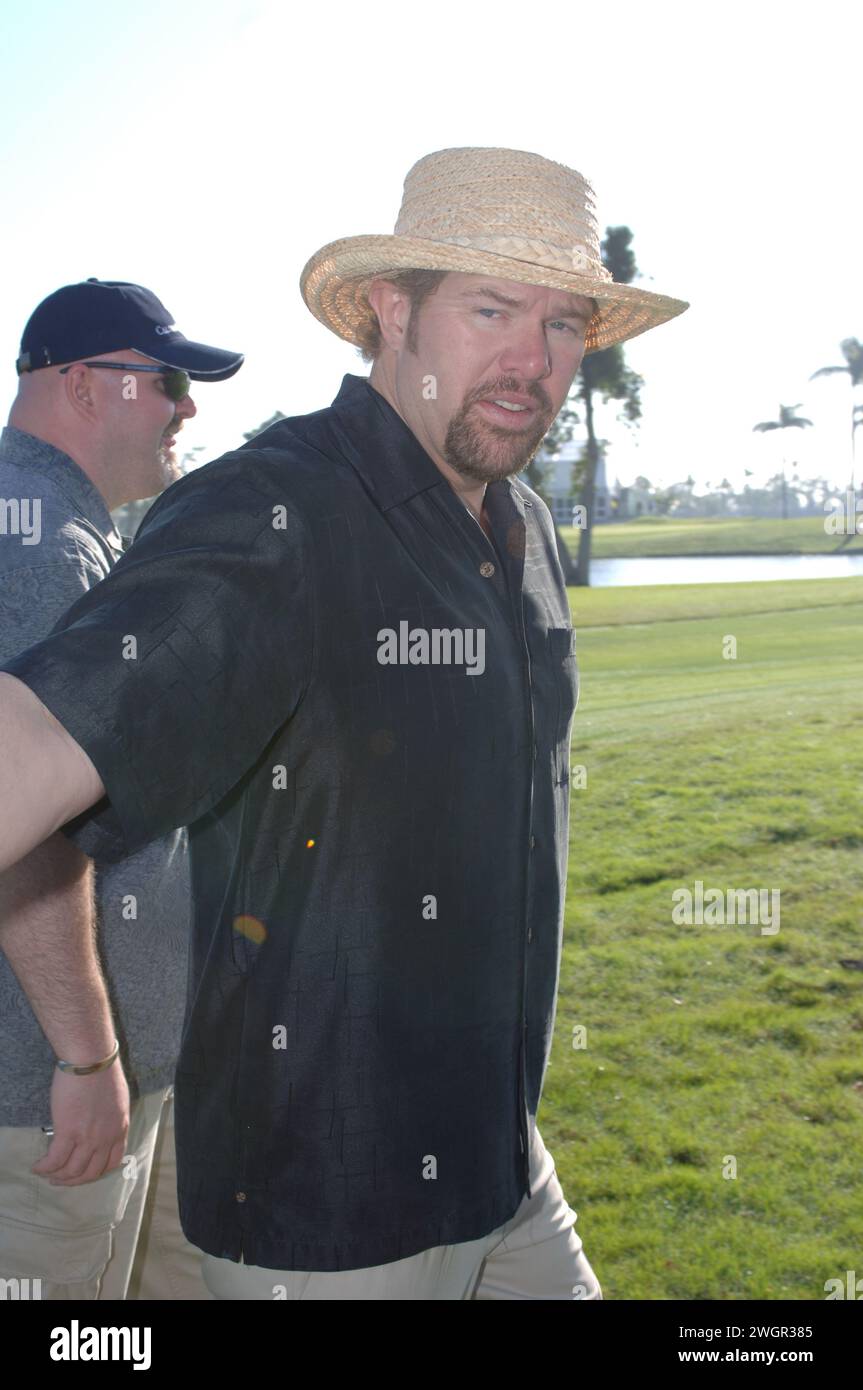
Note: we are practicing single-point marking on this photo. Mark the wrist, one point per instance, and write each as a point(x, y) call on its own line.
point(87, 1068)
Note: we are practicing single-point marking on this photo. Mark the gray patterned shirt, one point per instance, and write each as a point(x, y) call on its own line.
point(57, 540)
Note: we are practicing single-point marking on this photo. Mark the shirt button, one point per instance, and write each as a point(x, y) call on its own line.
point(240, 1196)
point(529, 935)
point(486, 569)
point(533, 842)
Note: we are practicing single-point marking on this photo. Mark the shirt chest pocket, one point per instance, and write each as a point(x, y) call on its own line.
point(564, 678)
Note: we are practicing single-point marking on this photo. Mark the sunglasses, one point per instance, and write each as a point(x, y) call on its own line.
point(175, 381)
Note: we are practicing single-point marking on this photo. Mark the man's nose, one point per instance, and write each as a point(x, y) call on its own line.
point(527, 354)
point(186, 408)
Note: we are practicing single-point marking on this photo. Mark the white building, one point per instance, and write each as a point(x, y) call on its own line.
point(557, 485)
point(634, 501)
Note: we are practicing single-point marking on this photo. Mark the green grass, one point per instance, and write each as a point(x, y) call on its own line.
point(709, 1041)
point(713, 536)
point(660, 603)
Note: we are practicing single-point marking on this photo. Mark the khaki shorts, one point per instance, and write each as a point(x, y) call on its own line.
point(535, 1255)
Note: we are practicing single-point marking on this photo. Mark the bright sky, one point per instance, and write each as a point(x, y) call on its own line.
point(207, 149)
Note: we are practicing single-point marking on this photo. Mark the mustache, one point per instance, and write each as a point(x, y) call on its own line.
point(515, 387)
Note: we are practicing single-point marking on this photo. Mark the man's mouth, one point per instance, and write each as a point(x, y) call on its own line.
point(511, 411)
point(169, 438)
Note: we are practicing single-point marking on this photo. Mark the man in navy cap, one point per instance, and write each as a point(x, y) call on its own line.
point(104, 379)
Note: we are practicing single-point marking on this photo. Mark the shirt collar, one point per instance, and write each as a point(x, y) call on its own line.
point(38, 456)
point(386, 453)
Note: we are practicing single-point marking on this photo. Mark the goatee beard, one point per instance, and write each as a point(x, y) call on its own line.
point(483, 452)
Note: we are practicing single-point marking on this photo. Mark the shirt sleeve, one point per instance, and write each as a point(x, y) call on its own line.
point(34, 597)
point(175, 671)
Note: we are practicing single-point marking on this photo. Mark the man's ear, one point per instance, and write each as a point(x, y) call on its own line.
point(393, 308)
point(78, 388)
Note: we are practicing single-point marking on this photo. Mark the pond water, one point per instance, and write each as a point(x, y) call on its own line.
point(721, 569)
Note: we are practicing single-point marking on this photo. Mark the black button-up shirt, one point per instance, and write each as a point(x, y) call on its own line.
point(378, 826)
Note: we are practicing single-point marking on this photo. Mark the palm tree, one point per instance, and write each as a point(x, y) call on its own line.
point(787, 420)
point(852, 351)
point(605, 373)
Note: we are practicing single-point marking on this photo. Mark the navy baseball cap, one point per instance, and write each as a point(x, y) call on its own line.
point(98, 316)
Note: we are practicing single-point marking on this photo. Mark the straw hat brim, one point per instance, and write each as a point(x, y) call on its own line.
point(334, 283)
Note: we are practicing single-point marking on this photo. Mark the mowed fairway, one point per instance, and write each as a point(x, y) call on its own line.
point(707, 1044)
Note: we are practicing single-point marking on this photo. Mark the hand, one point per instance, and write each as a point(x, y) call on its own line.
point(90, 1115)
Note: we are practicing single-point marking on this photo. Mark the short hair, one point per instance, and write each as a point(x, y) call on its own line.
point(417, 285)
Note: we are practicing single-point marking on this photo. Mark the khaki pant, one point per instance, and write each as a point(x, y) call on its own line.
point(535, 1255)
point(118, 1237)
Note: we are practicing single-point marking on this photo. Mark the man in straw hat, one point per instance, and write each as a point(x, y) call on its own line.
point(355, 683)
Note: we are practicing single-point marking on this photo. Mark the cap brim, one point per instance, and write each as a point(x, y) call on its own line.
point(203, 363)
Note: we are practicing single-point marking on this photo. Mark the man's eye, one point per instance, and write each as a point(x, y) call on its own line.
point(556, 323)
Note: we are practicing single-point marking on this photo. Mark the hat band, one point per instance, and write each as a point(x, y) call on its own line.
point(572, 260)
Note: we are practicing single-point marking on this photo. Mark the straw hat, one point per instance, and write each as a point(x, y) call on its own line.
point(504, 213)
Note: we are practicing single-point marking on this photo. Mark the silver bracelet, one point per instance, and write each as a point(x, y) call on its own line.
point(95, 1066)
